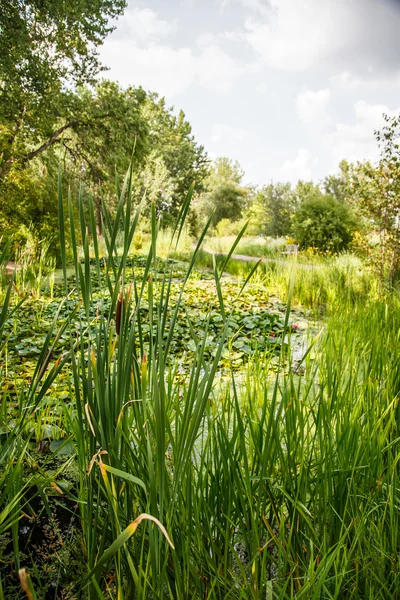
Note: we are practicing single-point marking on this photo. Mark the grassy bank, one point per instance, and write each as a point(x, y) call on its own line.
point(318, 285)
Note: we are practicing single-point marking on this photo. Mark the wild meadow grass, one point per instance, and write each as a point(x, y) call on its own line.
point(248, 245)
point(318, 286)
point(196, 482)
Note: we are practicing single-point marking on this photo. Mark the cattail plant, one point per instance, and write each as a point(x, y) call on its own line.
point(196, 480)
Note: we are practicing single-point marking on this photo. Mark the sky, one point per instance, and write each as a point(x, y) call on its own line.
point(288, 88)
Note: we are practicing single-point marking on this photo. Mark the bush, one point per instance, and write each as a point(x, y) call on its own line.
point(325, 224)
point(228, 227)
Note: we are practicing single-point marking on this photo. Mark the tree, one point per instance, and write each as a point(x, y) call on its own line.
point(324, 223)
point(272, 209)
point(227, 201)
point(98, 132)
point(28, 197)
point(92, 133)
point(306, 190)
point(338, 185)
point(48, 114)
point(224, 195)
point(42, 42)
point(45, 45)
point(224, 170)
point(376, 197)
point(103, 129)
point(172, 142)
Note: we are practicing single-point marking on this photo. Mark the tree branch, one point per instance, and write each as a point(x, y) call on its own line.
point(54, 138)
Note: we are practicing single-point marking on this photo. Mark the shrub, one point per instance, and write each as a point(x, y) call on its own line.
point(324, 223)
point(228, 227)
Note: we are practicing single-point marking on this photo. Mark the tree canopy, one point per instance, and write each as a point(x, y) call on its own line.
point(47, 42)
point(45, 45)
point(95, 133)
point(224, 195)
point(324, 223)
point(375, 191)
point(272, 208)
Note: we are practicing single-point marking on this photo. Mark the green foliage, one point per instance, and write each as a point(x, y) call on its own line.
point(175, 159)
point(376, 197)
point(227, 201)
point(27, 205)
point(43, 46)
point(339, 185)
point(324, 223)
point(224, 195)
point(96, 132)
point(44, 42)
point(306, 190)
point(272, 209)
point(92, 130)
point(226, 227)
point(224, 170)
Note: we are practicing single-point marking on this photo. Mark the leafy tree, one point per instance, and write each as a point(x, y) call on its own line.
point(227, 201)
point(155, 180)
point(306, 190)
point(94, 125)
point(224, 195)
point(324, 223)
point(376, 196)
point(47, 114)
point(93, 133)
point(97, 129)
point(338, 185)
point(272, 209)
point(224, 170)
point(43, 46)
point(172, 142)
point(46, 41)
point(27, 198)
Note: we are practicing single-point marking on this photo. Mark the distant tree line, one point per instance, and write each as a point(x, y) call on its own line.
point(315, 215)
point(357, 208)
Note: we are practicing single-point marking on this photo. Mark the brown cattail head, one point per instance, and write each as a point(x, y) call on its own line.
point(118, 313)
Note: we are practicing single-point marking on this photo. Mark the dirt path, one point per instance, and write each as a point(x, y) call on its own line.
point(245, 258)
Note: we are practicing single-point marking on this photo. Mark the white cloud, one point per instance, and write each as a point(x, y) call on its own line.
point(158, 68)
point(205, 39)
point(262, 87)
point(167, 70)
point(227, 133)
point(303, 34)
point(258, 6)
point(216, 69)
point(258, 50)
point(143, 25)
point(293, 170)
point(350, 81)
point(357, 141)
point(312, 109)
point(290, 38)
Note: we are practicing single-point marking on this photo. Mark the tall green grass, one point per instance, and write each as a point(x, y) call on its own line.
point(265, 484)
point(320, 286)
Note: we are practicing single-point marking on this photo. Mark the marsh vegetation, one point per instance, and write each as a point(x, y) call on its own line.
point(147, 388)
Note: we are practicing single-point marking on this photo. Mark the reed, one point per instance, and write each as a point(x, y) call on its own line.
point(196, 483)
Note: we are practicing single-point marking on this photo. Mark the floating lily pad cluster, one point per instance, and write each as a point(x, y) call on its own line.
point(253, 323)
